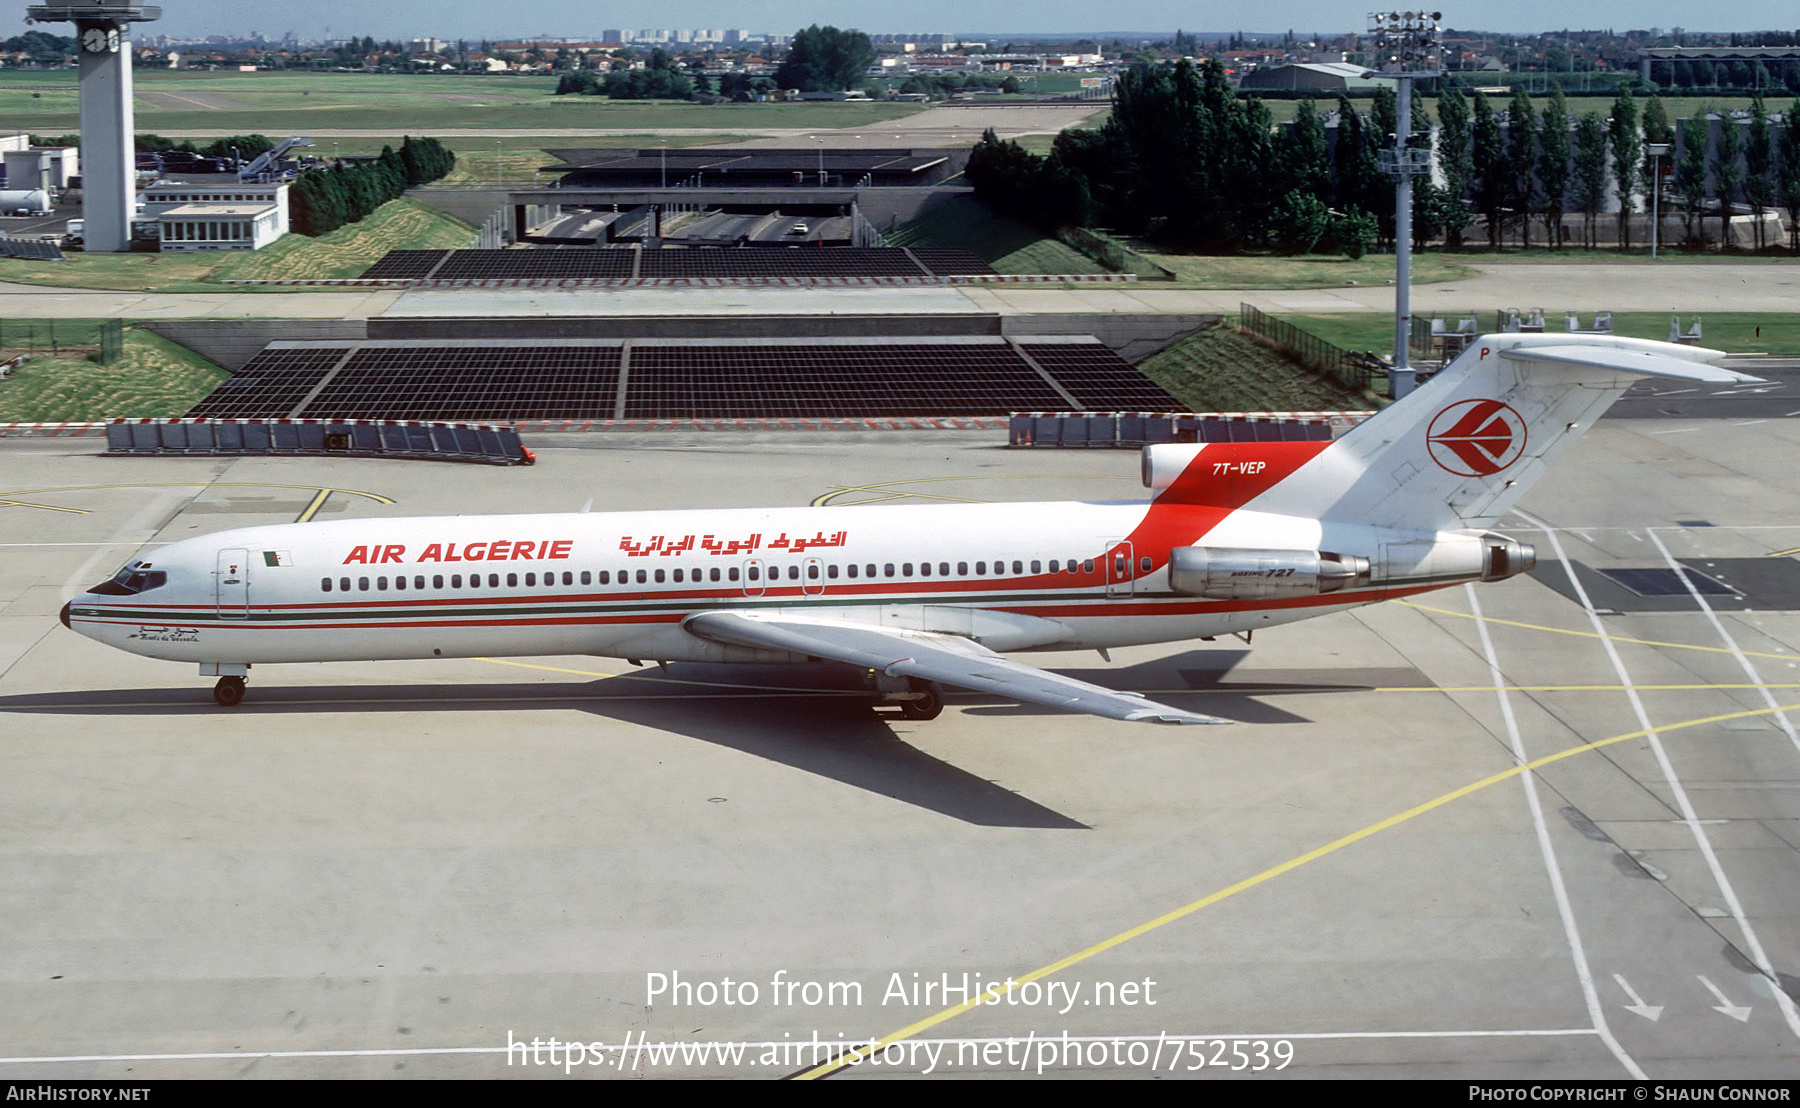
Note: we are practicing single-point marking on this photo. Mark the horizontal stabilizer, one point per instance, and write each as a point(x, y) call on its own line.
point(932, 657)
point(1647, 363)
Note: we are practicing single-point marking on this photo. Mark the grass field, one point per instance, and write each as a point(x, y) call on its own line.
point(293, 103)
point(398, 225)
point(153, 377)
point(1731, 331)
point(1221, 370)
point(1007, 245)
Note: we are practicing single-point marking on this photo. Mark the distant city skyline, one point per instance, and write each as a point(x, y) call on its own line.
point(315, 19)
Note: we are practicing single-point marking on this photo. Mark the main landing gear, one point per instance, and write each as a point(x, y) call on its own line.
point(918, 699)
point(229, 691)
point(927, 701)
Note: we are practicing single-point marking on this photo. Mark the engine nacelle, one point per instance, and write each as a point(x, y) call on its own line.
point(1235, 574)
point(1503, 557)
point(1163, 463)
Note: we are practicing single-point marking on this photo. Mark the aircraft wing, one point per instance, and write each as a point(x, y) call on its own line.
point(949, 659)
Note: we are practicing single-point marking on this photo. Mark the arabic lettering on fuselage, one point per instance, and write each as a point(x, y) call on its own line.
point(671, 545)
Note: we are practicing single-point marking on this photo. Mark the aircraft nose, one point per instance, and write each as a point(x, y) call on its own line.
point(65, 613)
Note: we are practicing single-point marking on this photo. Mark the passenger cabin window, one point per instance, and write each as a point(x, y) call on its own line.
point(325, 584)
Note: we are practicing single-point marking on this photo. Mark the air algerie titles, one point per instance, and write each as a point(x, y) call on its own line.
point(502, 550)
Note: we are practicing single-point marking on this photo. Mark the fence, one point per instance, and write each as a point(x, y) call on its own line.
point(53, 336)
point(1351, 367)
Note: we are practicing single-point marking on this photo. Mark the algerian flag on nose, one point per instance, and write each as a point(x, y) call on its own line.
point(277, 558)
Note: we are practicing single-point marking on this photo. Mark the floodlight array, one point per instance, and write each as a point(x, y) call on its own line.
point(1406, 41)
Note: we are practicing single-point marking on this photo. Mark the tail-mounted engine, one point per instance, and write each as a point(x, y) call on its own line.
point(1503, 557)
point(1227, 574)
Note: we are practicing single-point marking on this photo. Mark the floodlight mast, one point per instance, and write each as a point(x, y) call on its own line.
point(1406, 47)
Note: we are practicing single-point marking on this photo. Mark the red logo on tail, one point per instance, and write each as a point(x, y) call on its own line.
point(1476, 438)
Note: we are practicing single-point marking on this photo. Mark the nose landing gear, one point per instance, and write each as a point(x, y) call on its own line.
point(229, 691)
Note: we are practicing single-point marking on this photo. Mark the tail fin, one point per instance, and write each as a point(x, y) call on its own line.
point(1462, 449)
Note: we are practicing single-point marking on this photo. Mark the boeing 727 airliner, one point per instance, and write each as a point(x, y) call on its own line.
point(1237, 537)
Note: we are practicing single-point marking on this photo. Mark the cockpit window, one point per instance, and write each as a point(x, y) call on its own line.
point(134, 578)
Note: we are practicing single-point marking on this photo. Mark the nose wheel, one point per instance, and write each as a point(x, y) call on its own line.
point(229, 691)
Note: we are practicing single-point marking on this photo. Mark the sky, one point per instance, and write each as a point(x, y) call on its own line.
point(400, 19)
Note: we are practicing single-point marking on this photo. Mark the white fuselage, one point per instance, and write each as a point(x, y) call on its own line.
point(1010, 576)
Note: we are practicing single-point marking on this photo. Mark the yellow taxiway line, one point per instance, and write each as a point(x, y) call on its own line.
point(855, 1056)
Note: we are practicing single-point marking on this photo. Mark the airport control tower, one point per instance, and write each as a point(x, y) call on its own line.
point(108, 156)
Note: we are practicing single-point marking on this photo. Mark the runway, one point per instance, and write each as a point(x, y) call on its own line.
point(399, 869)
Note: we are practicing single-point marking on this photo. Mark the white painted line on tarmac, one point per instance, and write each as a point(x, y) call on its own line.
point(1781, 718)
point(1528, 781)
point(1683, 804)
point(790, 1044)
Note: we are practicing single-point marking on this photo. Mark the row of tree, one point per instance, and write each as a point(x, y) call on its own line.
point(322, 200)
point(1185, 161)
point(819, 59)
point(660, 79)
point(239, 146)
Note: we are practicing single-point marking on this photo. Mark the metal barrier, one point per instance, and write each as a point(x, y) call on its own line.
point(1349, 367)
point(56, 335)
point(355, 438)
point(31, 249)
point(1135, 429)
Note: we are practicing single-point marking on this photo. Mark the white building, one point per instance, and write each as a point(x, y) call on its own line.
point(193, 227)
point(42, 167)
point(218, 217)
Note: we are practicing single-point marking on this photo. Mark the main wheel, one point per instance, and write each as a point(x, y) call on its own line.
point(929, 704)
point(229, 691)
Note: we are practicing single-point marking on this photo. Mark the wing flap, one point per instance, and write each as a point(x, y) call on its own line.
point(931, 656)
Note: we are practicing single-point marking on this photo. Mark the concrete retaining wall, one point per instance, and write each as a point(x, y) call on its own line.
point(1132, 337)
point(233, 342)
